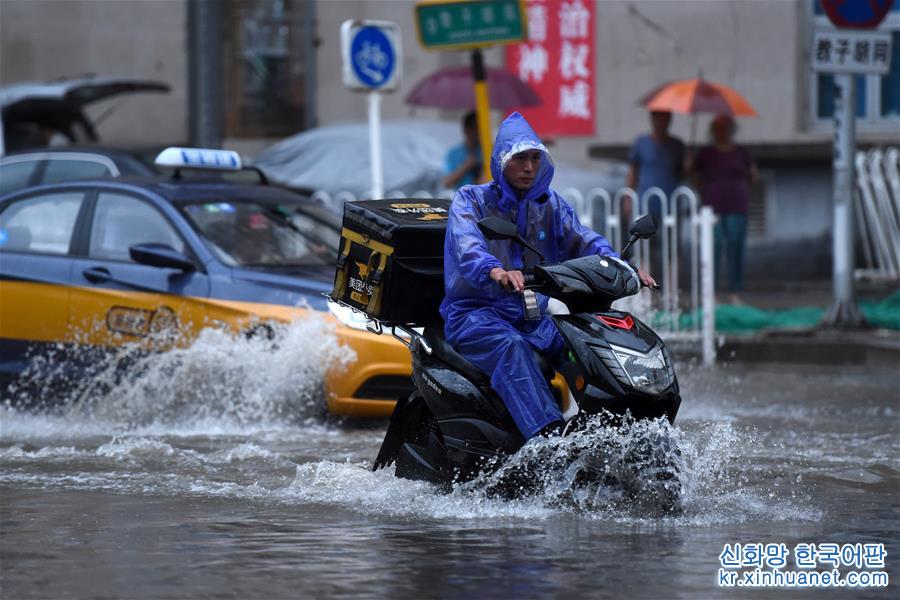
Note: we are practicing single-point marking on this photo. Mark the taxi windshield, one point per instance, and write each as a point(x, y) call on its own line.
point(251, 234)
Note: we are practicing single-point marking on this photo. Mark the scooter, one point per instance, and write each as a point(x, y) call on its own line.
point(454, 426)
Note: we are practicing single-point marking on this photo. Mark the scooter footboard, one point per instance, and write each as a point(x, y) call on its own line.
point(473, 444)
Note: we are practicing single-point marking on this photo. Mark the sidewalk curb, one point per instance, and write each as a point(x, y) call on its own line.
point(879, 347)
point(875, 347)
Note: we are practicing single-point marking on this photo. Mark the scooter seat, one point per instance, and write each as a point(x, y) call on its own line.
point(434, 335)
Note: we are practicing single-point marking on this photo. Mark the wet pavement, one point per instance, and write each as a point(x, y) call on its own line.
point(199, 478)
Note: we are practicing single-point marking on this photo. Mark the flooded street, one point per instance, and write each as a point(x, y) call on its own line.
point(185, 482)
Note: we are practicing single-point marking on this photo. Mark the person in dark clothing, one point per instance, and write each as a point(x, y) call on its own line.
point(484, 316)
point(724, 172)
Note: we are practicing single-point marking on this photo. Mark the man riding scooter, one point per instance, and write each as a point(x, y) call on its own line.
point(483, 310)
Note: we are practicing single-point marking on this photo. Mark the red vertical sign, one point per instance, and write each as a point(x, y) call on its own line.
point(558, 62)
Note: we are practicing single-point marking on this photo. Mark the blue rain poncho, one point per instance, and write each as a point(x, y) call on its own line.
point(486, 323)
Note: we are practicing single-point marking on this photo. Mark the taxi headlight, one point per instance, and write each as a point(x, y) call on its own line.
point(649, 372)
point(347, 316)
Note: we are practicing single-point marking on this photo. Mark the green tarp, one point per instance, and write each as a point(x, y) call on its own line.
point(747, 319)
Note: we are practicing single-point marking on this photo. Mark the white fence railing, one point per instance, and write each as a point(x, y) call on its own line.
point(877, 212)
point(684, 273)
point(685, 229)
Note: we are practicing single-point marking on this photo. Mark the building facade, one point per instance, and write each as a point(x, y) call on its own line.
point(260, 70)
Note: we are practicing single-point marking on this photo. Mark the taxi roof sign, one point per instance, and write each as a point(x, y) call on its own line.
point(199, 158)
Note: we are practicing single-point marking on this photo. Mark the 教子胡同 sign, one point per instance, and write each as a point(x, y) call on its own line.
point(843, 51)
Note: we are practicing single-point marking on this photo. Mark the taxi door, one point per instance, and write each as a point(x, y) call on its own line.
point(115, 300)
point(36, 233)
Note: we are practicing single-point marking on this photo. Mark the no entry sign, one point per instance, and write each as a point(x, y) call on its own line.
point(856, 14)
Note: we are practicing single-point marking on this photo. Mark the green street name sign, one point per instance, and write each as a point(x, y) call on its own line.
point(461, 24)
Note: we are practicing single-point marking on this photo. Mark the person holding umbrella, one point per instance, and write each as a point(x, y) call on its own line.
point(724, 169)
point(655, 160)
point(724, 172)
point(453, 88)
point(463, 163)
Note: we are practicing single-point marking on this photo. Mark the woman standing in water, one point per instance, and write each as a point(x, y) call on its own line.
point(724, 172)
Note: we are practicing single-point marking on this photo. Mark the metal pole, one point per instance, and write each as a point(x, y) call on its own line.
point(843, 312)
point(482, 111)
point(375, 144)
point(310, 110)
point(204, 68)
point(707, 286)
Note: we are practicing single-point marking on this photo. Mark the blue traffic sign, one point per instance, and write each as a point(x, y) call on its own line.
point(372, 57)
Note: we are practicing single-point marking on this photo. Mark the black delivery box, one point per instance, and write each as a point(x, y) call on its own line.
point(391, 261)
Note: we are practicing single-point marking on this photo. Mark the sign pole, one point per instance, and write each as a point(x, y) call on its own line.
point(831, 54)
point(843, 311)
point(371, 54)
point(472, 25)
point(375, 144)
point(482, 112)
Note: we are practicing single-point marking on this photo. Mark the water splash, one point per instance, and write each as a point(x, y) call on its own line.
point(222, 382)
point(633, 468)
point(711, 486)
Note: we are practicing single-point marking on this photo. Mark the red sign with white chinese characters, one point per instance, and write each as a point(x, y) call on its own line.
point(558, 62)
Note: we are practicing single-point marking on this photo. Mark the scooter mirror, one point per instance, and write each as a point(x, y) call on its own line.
point(644, 227)
point(495, 228)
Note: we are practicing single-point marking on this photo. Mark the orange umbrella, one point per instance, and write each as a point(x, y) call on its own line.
point(692, 96)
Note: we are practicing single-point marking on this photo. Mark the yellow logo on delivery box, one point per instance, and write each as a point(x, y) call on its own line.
point(361, 289)
point(411, 205)
point(429, 212)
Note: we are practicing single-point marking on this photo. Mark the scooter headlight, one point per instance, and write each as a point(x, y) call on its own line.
point(649, 372)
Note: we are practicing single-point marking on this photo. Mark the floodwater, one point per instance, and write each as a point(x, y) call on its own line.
point(203, 475)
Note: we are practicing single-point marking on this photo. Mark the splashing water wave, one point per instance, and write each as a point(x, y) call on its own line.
point(237, 417)
point(222, 382)
point(714, 486)
point(712, 490)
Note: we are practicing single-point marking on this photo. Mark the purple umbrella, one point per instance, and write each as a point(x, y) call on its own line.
point(453, 88)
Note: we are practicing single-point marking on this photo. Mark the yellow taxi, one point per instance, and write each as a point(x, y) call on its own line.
point(111, 261)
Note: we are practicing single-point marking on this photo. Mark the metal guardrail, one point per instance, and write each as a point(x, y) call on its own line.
point(877, 212)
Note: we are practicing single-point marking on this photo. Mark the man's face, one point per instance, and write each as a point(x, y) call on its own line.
point(471, 135)
point(660, 121)
point(522, 168)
